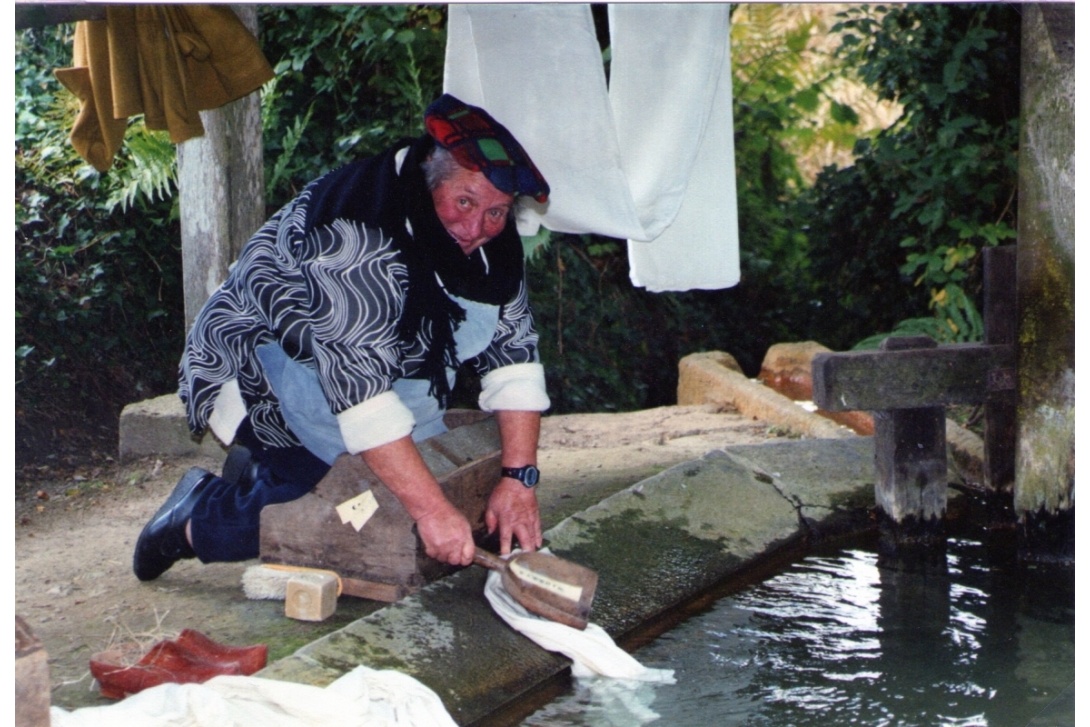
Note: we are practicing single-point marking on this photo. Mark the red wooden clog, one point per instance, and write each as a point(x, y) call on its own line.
point(191, 658)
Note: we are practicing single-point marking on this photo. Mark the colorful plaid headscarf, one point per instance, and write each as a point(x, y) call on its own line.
point(481, 143)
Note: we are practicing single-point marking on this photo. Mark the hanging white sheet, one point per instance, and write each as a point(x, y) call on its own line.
point(649, 159)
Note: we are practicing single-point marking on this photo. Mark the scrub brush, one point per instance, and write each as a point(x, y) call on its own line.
point(269, 581)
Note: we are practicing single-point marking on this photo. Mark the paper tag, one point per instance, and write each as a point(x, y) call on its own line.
point(358, 510)
point(568, 591)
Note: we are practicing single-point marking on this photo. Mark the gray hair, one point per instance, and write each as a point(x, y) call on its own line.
point(439, 167)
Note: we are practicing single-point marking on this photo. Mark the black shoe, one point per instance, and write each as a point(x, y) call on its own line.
point(162, 542)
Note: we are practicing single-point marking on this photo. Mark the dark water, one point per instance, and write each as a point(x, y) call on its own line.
point(841, 638)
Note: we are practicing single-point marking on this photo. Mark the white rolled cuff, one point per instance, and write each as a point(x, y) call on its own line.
point(377, 421)
point(518, 387)
point(227, 413)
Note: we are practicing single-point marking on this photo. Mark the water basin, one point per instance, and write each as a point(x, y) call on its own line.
point(844, 637)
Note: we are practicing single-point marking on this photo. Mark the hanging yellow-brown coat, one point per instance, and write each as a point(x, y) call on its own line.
point(166, 62)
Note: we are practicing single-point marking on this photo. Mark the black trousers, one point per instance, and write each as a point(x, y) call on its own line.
point(226, 519)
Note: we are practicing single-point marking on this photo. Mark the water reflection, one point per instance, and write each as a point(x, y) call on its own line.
point(853, 638)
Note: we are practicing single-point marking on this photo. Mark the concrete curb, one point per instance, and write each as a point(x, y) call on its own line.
point(157, 427)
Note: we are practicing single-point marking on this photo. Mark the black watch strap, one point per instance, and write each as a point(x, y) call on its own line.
point(528, 475)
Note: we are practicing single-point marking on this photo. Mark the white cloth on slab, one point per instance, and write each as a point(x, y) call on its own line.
point(592, 651)
point(649, 159)
point(363, 697)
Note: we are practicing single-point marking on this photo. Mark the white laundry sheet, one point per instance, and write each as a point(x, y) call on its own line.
point(648, 156)
point(592, 651)
point(610, 682)
point(363, 697)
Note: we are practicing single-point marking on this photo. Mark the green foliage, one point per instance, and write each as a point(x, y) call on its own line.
point(350, 81)
point(98, 319)
point(151, 171)
point(606, 346)
point(99, 311)
point(901, 231)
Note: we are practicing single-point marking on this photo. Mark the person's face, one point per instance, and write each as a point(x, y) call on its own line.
point(471, 209)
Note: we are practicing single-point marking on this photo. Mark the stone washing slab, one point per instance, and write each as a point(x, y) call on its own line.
point(800, 470)
point(656, 545)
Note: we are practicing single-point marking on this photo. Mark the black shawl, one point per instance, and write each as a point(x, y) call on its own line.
point(372, 192)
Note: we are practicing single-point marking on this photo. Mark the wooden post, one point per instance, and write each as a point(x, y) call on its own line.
point(1044, 489)
point(1000, 328)
point(221, 187)
point(910, 460)
point(907, 384)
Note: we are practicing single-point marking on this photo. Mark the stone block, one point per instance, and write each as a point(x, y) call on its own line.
point(157, 427)
point(311, 596)
point(699, 372)
point(788, 368)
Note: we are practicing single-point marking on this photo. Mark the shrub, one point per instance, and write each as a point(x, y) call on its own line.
point(98, 315)
point(899, 233)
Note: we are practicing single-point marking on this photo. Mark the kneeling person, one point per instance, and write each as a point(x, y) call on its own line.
point(340, 329)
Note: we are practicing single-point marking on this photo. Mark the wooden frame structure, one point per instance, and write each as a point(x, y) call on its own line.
point(908, 384)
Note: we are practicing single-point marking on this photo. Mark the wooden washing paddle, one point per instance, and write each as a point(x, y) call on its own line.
point(551, 587)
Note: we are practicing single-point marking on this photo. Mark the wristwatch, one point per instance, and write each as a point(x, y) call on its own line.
point(527, 475)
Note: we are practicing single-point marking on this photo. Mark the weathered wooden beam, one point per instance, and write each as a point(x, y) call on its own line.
point(910, 459)
point(42, 14)
point(907, 384)
point(964, 373)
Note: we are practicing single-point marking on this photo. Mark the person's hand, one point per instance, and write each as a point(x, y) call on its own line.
point(447, 536)
point(445, 531)
point(513, 509)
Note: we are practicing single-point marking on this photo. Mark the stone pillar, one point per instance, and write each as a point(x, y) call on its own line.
point(221, 186)
point(1044, 488)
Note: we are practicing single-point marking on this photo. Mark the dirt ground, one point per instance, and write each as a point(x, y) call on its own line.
point(76, 525)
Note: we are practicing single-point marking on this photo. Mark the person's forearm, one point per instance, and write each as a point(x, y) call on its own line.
point(512, 508)
point(519, 432)
point(443, 528)
point(401, 468)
